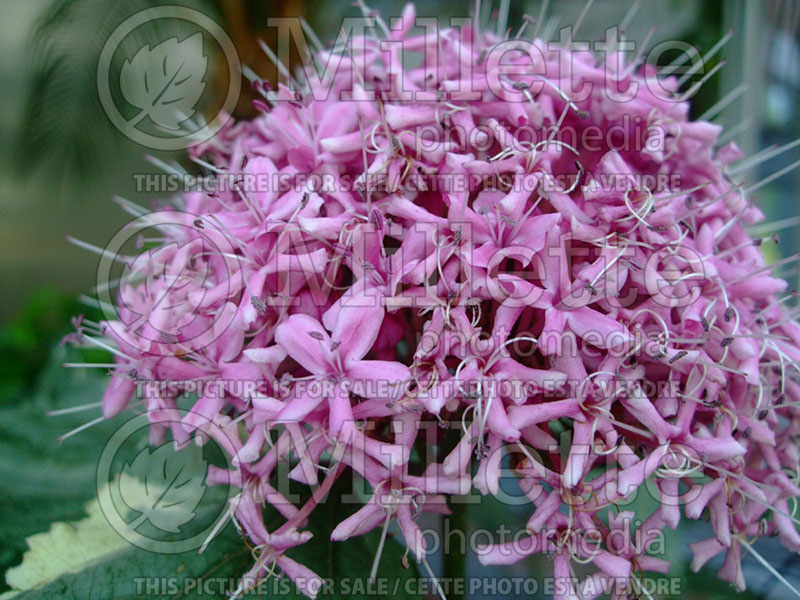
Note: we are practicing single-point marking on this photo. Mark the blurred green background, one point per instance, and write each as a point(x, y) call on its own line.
point(61, 161)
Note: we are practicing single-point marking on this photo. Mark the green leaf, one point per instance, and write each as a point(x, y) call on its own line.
point(119, 570)
point(42, 482)
point(123, 571)
point(66, 548)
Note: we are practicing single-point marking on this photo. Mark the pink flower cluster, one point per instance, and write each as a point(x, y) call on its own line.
point(423, 262)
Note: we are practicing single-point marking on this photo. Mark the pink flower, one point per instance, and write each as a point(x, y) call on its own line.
point(338, 356)
point(598, 311)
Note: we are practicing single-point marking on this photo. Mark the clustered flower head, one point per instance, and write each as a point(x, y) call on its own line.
point(532, 296)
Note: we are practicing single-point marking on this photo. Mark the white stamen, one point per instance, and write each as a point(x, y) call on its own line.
point(765, 563)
